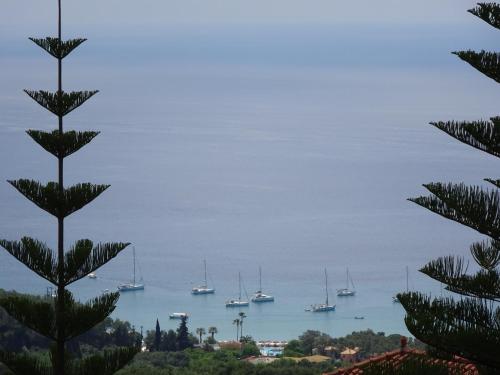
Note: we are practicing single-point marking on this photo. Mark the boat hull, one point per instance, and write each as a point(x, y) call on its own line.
point(130, 288)
point(198, 291)
point(237, 303)
point(263, 299)
point(345, 293)
point(322, 308)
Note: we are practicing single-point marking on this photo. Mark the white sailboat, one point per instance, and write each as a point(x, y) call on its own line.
point(323, 307)
point(259, 296)
point(346, 292)
point(395, 299)
point(133, 285)
point(203, 289)
point(237, 302)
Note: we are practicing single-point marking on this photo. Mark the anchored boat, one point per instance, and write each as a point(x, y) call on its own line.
point(237, 302)
point(346, 292)
point(203, 289)
point(259, 296)
point(323, 307)
point(133, 285)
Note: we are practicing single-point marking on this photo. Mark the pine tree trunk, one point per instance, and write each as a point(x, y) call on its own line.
point(60, 228)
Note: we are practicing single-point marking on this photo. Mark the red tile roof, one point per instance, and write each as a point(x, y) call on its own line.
point(458, 365)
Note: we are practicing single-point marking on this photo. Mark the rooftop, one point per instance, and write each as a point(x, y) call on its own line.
point(349, 351)
point(395, 358)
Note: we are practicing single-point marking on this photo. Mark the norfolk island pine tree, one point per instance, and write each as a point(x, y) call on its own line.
point(61, 318)
point(468, 326)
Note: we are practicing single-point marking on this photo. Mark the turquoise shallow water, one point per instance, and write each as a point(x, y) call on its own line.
point(293, 167)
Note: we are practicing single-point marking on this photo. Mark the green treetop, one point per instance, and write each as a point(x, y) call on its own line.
point(157, 341)
point(183, 341)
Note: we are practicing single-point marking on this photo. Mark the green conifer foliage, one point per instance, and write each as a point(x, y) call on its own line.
point(467, 325)
point(157, 342)
point(183, 341)
point(61, 318)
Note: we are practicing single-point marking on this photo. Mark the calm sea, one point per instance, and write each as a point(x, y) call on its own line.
point(289, 149)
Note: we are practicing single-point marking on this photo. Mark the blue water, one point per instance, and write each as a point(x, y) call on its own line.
point(266, 157)
point(270, 351)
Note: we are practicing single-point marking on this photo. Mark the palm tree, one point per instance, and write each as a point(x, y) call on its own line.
point(242, 316)
point(200, 331)
point(237, 322)
point(212, 330)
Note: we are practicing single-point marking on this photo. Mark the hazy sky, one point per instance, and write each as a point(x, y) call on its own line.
point(366, 33)
point(20, 15)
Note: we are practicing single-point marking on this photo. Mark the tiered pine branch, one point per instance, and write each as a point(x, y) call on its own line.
point(467, 328)
point(56, 47)
point(25, 363)
point(64, 144)
point(472, 206)
point(106, 363)
point(486, 62)
point(56, 201)
point(483, 135)
point(488, 12)
point(60, 103)
point(82, 259)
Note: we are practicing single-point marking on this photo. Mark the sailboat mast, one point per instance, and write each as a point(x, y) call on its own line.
point(133, 250)
point(260, 279)
point(407, 279)
point(205, 262)
point(347, 279)
point(326, 286)
point(239, 286)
